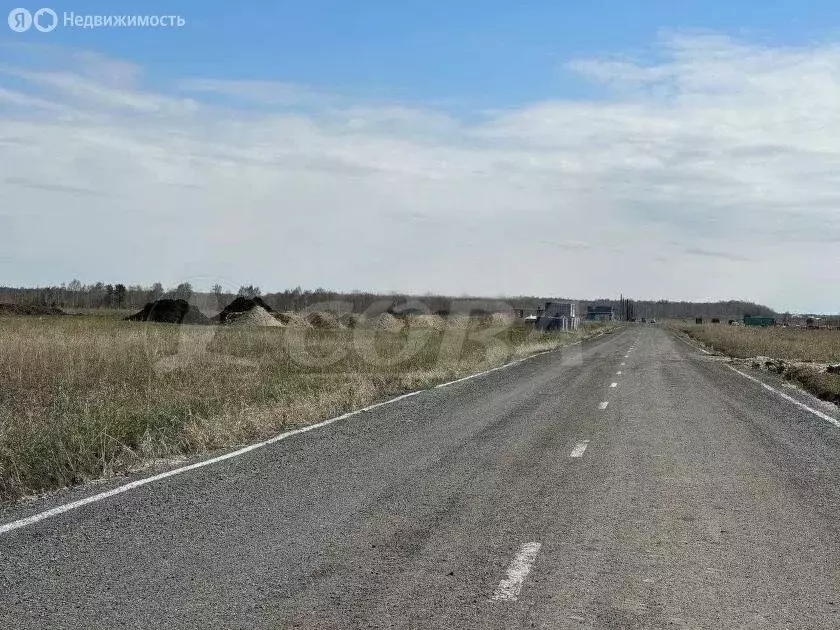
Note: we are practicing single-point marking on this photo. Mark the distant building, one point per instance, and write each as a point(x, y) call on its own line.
point(600, 313)
point(558, 316)
point(560, 309)
point(759, 321)
point(797, 321)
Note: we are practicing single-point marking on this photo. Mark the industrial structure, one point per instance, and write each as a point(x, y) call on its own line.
point(560, 316)
point(626, 309)
point(600, 313)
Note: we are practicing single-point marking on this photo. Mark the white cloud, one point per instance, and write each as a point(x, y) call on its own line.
point(711, 171)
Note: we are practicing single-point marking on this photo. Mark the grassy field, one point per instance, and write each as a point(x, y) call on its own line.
point(794, 346)
point(83, 397)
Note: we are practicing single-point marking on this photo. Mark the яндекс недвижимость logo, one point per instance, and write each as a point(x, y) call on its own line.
point(46, 20)
point(21, 20)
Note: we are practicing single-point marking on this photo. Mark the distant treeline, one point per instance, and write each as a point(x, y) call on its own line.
point(78, 296)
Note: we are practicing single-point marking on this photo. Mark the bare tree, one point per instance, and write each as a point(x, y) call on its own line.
point(183, 291)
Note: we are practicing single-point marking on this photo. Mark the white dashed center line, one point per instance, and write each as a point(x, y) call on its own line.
point(603, 405)
point(613, 384)
point(579, 449)
point(623, 363)
point(618, 373)
point(509, 588)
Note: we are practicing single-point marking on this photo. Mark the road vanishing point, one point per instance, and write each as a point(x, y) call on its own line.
point(633, 481)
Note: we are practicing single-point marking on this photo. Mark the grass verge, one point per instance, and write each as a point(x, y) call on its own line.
point(798, 354)
point(86, 397)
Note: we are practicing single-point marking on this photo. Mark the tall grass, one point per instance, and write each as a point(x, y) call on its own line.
point(799, 345)
point(82, 397)
point(790, 344)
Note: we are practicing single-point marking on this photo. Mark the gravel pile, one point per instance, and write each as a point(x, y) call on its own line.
point(349, 320)
point(241, 305)
point(326, 321)
point(253, 318)
point(295, 320)
point(385, 321)
point(457, 321)
point(427, 322)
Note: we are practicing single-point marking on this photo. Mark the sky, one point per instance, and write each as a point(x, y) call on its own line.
point(663, 150)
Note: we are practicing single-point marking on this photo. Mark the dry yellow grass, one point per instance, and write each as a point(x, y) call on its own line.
point(791, 344)
point(83, 397)
point(799, 345)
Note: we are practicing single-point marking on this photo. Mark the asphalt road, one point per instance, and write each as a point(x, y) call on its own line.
point(695, 498)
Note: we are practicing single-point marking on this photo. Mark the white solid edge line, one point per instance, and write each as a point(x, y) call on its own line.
point(693, 346)
point(501, 367)
point(603, 405)
point(802, 405)
point(73, 505)
point(61, 509)
point(579, 449)
point(509, 588)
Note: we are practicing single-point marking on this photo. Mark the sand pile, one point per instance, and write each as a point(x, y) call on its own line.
point(20, 309)
point(295, 320)
point(326, 321)
point(427, 322)
point(242, 305)
point(385, 321)
point(170, 312)
point(253, 318)
point(457, 321)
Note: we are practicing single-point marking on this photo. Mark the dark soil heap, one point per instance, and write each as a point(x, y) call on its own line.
point(21, 309)
point(241, 305)
point(171, 312)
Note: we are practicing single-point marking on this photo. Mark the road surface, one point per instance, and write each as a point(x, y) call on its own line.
point(639, 483)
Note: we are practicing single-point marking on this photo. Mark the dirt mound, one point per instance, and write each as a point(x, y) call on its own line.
point(295, 320)
point(349, 320)
point(170, 312)
point(385, 321)
point(20, 309)
point(457, 321)
point(242, 305)
point(252, 318)
point(427, 322)
point(324, 320)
